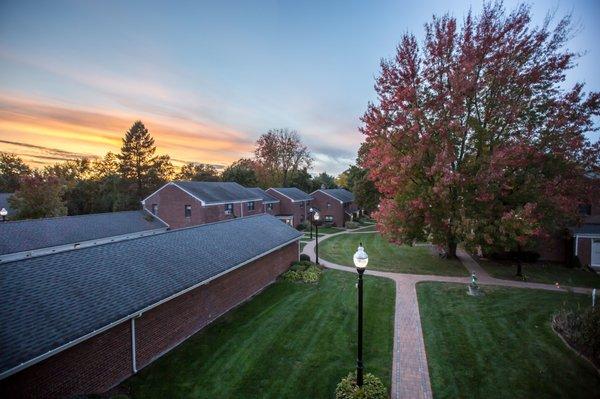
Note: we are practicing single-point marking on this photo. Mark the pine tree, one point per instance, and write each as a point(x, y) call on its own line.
point(137, 157)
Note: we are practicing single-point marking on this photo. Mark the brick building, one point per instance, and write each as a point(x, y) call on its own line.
point(192, 203)
point(81, 321)
point(336, 205)
point(585, 241)
point(270, 203)
point(293, 204)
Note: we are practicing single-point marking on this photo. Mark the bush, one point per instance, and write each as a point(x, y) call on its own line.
point(304, 258)
point(306, 272)
point(351, 225)
point(302, 226)
point(372, 388)
point(581, 329)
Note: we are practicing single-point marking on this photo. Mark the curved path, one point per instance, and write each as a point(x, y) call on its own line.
point(410, 373)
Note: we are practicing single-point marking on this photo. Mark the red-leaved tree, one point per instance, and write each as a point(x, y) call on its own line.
point(474, 136)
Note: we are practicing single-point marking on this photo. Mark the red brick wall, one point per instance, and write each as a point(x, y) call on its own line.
point(287, 207)
point(92, 366)
point(335, 208)
point(584, 251)
point(102, 362)
point(171, 208)
point(274, 211)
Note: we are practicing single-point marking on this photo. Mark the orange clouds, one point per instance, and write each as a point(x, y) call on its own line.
point(76, 130)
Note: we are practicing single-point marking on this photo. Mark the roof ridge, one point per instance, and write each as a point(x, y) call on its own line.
point(71, 216)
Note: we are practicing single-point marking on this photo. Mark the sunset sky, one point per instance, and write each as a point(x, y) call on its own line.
point(207, 78)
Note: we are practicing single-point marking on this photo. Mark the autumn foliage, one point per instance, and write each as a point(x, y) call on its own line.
point(475, 138)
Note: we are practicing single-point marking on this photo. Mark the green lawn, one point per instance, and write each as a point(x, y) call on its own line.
point(370, 228)
point(302, 245)
point(291, 341)
point(388, 257)
point(542, 272)
point(500, 345)
point(329, 230)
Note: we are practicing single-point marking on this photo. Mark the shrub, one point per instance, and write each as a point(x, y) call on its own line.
point(581, 329)
point(302, 226)
point(304, 257)
point(372, 388)
point(306, 272)
point(351, 225)
point(526, 256)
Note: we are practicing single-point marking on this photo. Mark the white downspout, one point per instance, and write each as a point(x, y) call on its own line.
point(133, 352)
point(576, 245)
point(242, 209)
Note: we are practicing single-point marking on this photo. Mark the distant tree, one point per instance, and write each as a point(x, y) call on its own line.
point(198, 172)
point(281, 155)
point(162, 171)
point(302, 180)
point(347, 178)
point(365, 194)
point(71, 170)
point(12, 168)
point(137, 158)
point(242, 171)
point(475, 129)
point(38, 196)
point(323, 180)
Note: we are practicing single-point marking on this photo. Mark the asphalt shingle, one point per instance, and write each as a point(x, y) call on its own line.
point(51, 300)
point(266, 198)
point(218, 192)
point(294, 193)
point(31, 234)
point(339, 193)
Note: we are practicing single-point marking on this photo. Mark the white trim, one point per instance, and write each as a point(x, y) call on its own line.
point(576, 245)
point(293, 200)
point(335, 198)
point(155, 216)
point(160, 188)
point(92, 334)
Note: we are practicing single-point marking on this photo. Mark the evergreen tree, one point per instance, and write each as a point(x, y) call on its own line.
point(137, 158)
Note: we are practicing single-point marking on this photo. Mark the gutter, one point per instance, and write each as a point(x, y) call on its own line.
point(92, 334)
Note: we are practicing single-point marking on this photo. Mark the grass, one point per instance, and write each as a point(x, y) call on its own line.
point(388, 257)
point(500, 345)
point(542, 272)
point(329, 230)
point(291, 341)
point(370, 228)
point(302, 245)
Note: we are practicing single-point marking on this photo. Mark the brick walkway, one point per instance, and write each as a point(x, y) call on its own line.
point(410, 373)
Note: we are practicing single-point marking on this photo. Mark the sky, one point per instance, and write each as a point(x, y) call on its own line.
point(208, 78)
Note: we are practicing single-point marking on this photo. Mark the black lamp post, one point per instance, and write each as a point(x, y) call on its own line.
point(360, 261)
point(3, 213)
point(310, 215)
point(316, 219)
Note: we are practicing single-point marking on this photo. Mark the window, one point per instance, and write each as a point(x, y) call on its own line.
point(188, 211)
point(250, 206)
point(228, 208)
point(269, 207)
point(328, 218)
point(328, 205)
point(155, 209)
point(301, 205)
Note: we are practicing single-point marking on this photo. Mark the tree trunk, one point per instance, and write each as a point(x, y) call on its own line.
point(451, 249)
point(519, 268)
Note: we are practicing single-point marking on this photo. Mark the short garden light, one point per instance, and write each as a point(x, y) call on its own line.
point(3, 213)
point(361, 259)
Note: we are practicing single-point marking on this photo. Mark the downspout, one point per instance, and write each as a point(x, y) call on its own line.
point(242, 209)
point(133, 351)
point(576, 245)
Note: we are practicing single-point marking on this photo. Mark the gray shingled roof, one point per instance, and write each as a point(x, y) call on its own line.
point(51, 300)
point(591, 229)
point(294, 193)
point(266, 198)
point(218, 192)
point(27, 235)
point(340, 193)
point(4, 203)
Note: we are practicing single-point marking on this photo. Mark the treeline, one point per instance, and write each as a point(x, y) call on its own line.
point(118, 182)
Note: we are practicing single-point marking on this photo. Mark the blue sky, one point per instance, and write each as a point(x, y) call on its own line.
point(209, 78)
